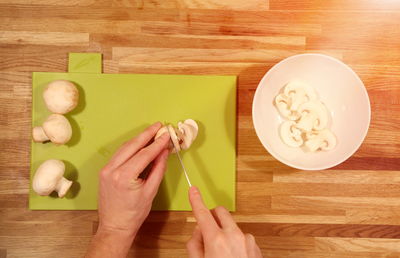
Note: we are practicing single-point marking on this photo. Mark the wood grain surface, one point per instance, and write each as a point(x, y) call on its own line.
point(352, 210)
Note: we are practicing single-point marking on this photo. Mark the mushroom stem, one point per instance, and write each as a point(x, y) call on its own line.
point(63, 186)
point(39, 135)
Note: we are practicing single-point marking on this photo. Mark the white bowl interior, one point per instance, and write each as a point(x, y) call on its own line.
point(338, 87)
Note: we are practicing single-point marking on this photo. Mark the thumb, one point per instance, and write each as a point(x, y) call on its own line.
point(195, 245)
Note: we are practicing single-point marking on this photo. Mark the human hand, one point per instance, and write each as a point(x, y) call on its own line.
point(125, 199)
point(216, 234)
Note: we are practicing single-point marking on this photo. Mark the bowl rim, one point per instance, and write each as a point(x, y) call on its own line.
point(273, 153)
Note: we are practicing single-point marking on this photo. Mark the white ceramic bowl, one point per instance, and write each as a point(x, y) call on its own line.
point(338, 87)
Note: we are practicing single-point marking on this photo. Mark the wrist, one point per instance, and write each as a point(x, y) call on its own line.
point(118, 240)
point(108, 242)
point(110, 232)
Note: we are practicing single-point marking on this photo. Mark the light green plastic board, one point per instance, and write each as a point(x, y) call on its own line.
point(115, 107)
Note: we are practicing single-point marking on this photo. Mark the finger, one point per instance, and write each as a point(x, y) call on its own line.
point(128, 149)
point(157, 173)
point(252, 249)
point(216, 217)
point(132, 168)
point(204, 218)
point(225, 218)
point(195, 245)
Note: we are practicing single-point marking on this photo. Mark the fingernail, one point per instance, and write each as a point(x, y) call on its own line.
point(158, 123)
point(194, 189)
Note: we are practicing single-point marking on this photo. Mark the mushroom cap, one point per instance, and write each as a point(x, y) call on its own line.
point(188, 130)
point(57, 128)
point(47, 176)
point(194, 125)
point(61, 96)
point(290, 134)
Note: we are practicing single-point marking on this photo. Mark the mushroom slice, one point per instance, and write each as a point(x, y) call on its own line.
point(314, 115)
point(324, 140)
point(188, 132)
point(61, 96)
point(290, 134)
point(282, 103)
point(49, 178)
point(56, 128)
point(175, 137)
point(299, 92)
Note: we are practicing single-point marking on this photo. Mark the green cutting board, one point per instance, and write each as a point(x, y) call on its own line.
point(113, 108)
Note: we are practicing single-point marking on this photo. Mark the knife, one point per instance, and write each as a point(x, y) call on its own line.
point(179, 158)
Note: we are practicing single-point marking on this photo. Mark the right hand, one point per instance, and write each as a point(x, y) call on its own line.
point(216, 234)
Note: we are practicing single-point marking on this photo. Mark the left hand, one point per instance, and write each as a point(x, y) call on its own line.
point(125, 199)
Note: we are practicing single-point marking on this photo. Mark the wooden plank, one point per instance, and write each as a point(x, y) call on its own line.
point(59, 2)
point(76, 29)
point(126, 54)
point(340, 177)
point(373, 5)
point(199, 41)
point(356, 245)
point(198, 4)
point(324, 189)
point(44, 38)
point(281, 217)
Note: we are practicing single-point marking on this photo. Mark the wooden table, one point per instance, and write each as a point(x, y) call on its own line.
point(352, 210)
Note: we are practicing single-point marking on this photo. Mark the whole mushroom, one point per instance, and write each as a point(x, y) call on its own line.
point(61, 96)
point(324, 140)
point(56, 129)
point(49, 178)
point(314, 116)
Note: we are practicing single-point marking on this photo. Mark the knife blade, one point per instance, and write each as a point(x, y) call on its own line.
point(179, 158)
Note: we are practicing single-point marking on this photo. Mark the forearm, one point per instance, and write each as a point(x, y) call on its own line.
point(106, 243)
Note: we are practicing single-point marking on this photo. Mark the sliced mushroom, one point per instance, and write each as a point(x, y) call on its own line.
point(314, 115)
point(181, 137)
point(175, 138)
point(290, 134)
point(282, 103)
point(299, 92)
point(324, 140)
